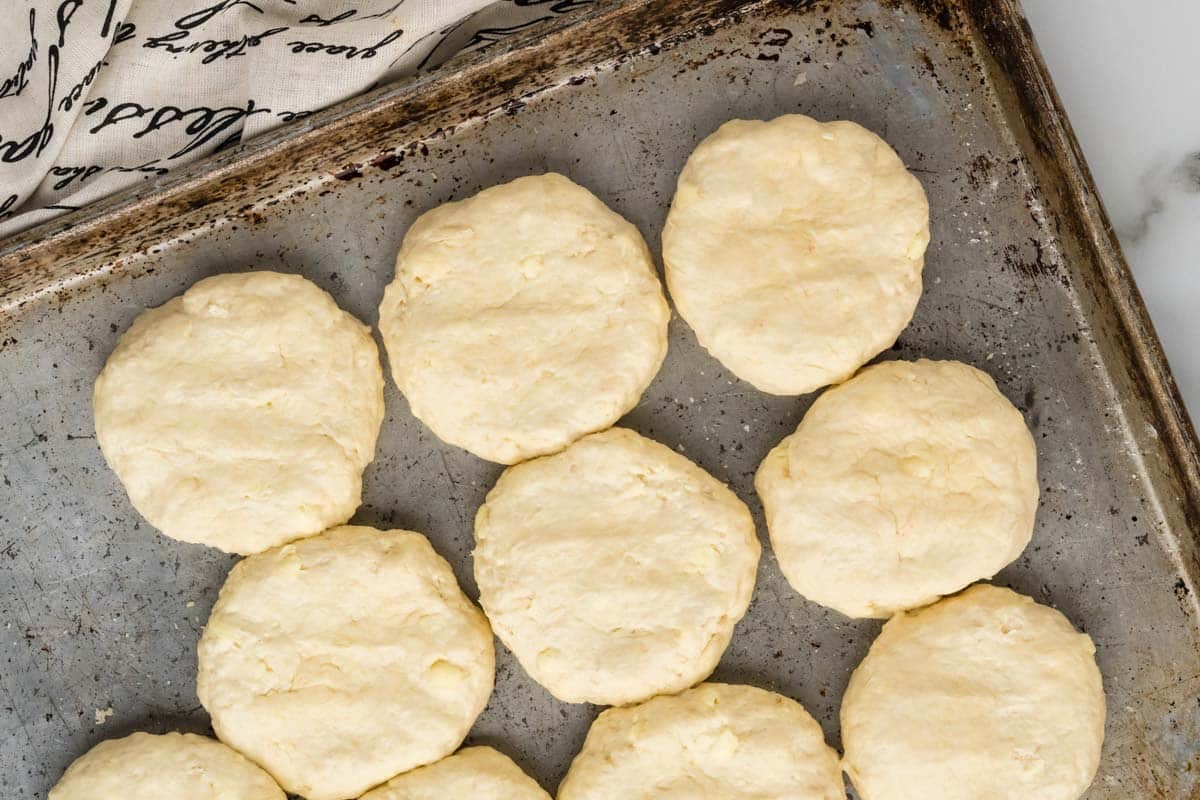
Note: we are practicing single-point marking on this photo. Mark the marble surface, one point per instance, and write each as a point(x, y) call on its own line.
point(1129, 76)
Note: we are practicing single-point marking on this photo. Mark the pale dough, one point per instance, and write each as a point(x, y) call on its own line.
point(473, 773)
point(794, 249)
point(523, 318)
point(615, 570)
point(341, 660)
point(908, 482)
point(242, 413)
point(174, 766)
point(982, 695)
point(714, 741)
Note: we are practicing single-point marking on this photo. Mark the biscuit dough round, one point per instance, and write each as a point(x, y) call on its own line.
point(473, 773)
point(615, 570)
point(179, 766)
point(341, 660)
point(242, 413)
point(714, 741)
point(794, 249)
point(984, 694)
point(523, 318)
point(906, 483)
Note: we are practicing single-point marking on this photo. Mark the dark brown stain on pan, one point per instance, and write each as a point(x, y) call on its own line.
point(937, 10)
point(1030, 265)
point(387, 161)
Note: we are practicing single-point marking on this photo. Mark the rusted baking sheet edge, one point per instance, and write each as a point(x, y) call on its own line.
point(103, 237)
point(1006, 33)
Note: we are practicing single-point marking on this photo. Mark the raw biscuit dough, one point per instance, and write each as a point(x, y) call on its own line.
point(242, 413)
point(174, 766)
point(473, 773)
point(615, 570)
point(984, 694)
point(908, 482)
point(341, 660)
point(523, 318)
point(714, 741)
point(794, 249)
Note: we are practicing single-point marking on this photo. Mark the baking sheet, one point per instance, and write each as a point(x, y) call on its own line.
point(99, 615)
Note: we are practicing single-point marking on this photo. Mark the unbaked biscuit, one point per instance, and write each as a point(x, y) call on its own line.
point(714, 741)
point(242, 413)
point(341, 660)
point(173, 766)
point(473, 773)
point(523, 318)
point(794, 249)
point(615, 570)
point(984, 694)
point(908, 482)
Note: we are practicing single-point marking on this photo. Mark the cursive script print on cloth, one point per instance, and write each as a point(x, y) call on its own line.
point(99, 95)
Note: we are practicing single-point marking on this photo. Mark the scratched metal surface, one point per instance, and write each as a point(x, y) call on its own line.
point(99, 615)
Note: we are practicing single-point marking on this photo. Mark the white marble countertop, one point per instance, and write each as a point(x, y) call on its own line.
point(1129, 75)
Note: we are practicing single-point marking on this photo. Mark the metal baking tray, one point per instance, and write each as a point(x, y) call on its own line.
point(99, 615)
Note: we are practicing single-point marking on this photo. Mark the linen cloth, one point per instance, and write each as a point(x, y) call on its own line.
point(96, 95)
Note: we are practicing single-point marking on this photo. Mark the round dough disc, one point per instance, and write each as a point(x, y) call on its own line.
point(906, 483)
point(984, 694)
point(473, 773)
point(339, 661)
point(179, 766)
point(716, 740)
point(242, 413)
point(523, 318)
point(615, 570)
point(794, 249)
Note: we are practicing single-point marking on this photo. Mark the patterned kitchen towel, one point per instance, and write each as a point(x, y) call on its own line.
point(96, 95)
